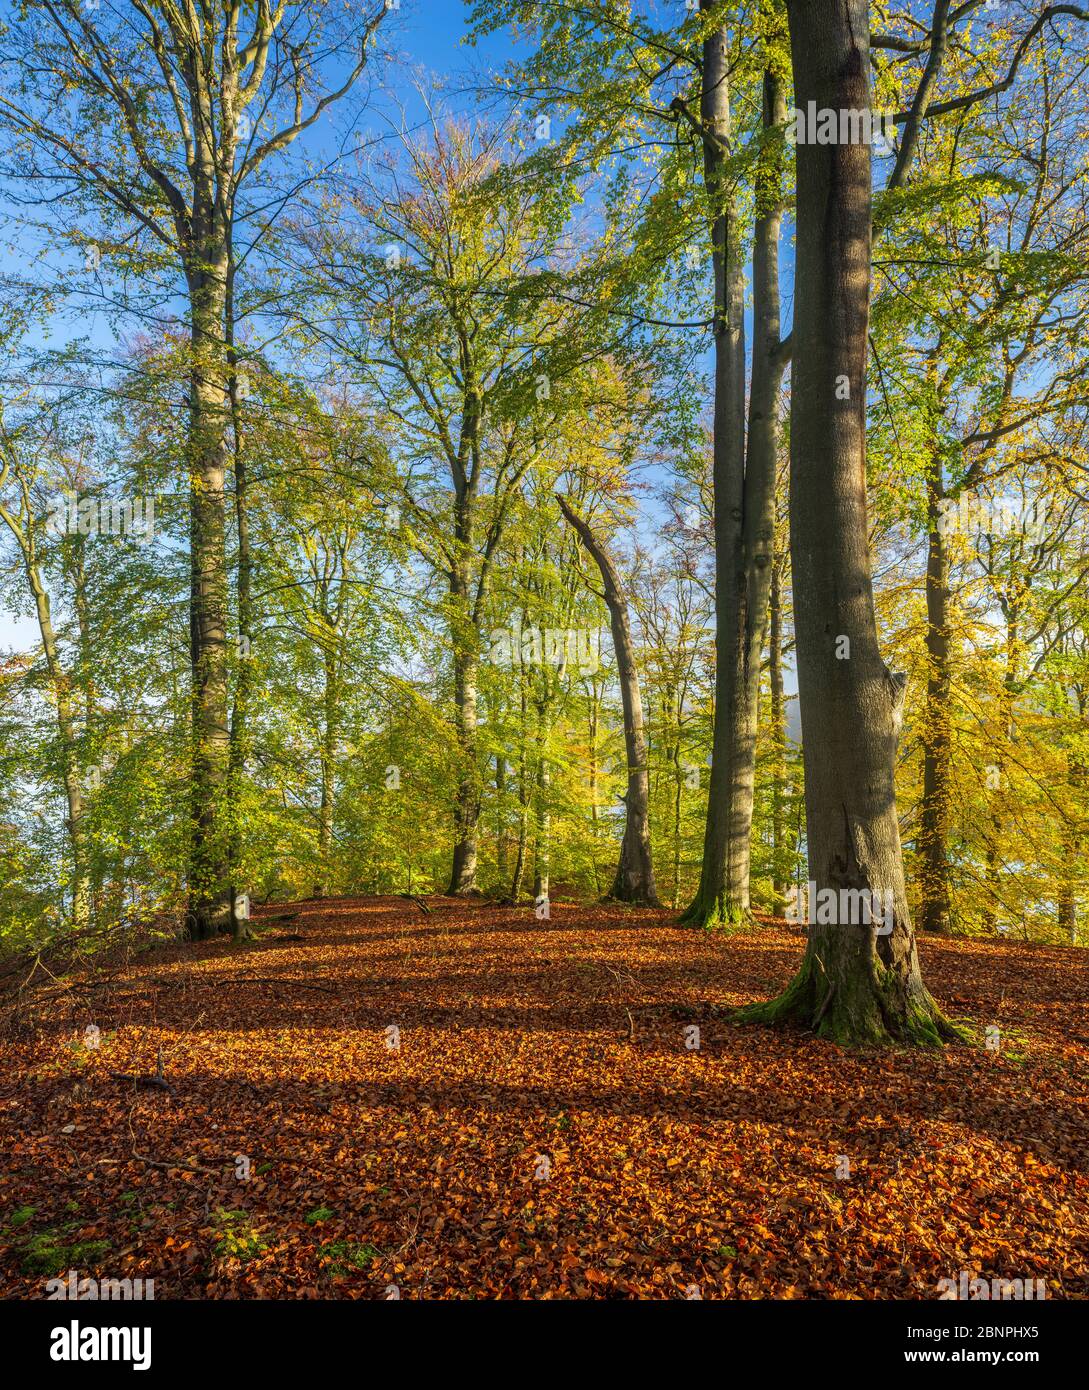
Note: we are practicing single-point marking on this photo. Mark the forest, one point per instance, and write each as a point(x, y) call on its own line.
point(544, 649)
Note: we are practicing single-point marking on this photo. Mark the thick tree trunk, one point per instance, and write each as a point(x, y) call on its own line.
point(854, 985)
point(935, 812)
point(634, 880)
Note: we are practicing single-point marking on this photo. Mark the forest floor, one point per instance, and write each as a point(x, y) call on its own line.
point(547, 1126)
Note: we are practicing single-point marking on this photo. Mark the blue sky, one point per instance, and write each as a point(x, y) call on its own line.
point(427, 39)
point(426, 42)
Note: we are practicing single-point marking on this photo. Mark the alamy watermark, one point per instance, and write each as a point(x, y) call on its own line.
point(986, 516)
point(99, 1290)
point(102, 516)
point(832, 907)
point(826, 126)
point(970, 1287)
point(551, 646)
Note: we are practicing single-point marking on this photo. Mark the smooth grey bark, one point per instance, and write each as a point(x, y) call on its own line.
point(853, 985)
point(722, 895)
point(780, 878)
point(744, 464)
point(468, 796)
point(465, 636)
point(634, 880)
point(769, 357)
point(239, 733)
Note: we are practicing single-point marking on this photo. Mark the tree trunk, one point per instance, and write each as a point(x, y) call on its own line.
point(523, 792)
point(996, 772)
point(467, 802)
point(761, 462)
point(209, 892)
point(1073, 839)
point(722, 895)
point(634, 881)
point(239, 732)
point(23, 532)
point(70, 762)
point(328, 770)
point(780, 878)
point(501, 837)
point(542, 845)
point(854, 985)
point(935, 812)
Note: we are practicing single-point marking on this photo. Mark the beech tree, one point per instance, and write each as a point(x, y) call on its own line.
point(153, 119)
point(634, 882)
point(855, 983)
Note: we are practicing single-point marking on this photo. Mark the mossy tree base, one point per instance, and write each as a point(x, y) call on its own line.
point(875, 1008)
point(715, 912)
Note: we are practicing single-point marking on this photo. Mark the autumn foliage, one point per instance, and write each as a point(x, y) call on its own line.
point(543, 1123)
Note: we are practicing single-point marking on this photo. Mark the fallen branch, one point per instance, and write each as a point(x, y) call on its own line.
point(270, 980)
point(157, 1082)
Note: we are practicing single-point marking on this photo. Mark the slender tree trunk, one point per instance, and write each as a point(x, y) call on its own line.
point(761, 462)
point(853, 985)
point(465, 641)
point(94, 889)
point(467, 803)
point(672, 710)
point(634, 881)
point(61, 684)
point(239, 732)
point(723, 891)
point(780, 878)
point(523, 836)
point(542, 842)
point(595, 772)
point(209, 891)
point(70, 762)
point(328, 770)
point(523, 793)
point(1073, 840)
point(996, 771)
point(935, 812)
point(501, 836)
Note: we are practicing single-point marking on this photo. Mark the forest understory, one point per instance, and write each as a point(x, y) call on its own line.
point(376, 1098)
